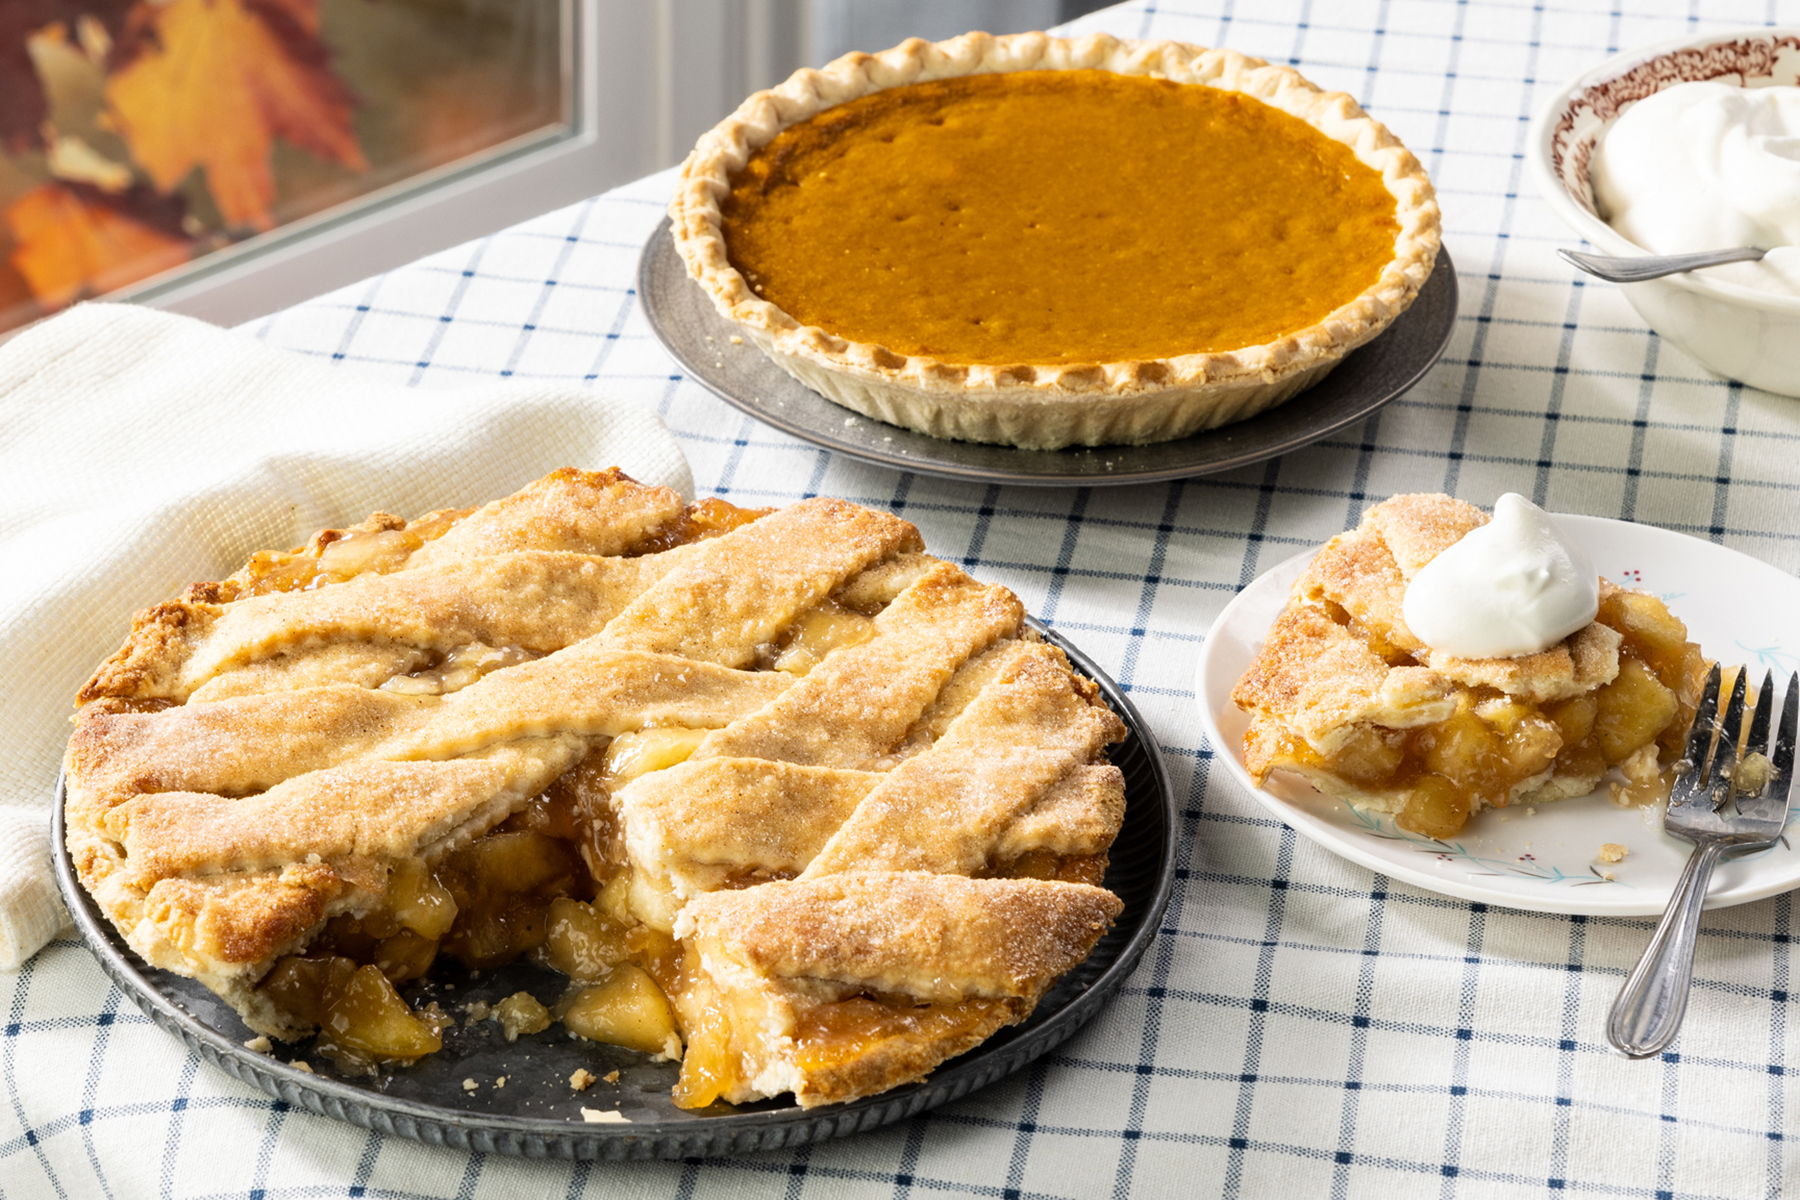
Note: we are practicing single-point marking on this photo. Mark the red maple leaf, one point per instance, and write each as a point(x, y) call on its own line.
point(72, 239)
point(212, 83)
point(22, 107)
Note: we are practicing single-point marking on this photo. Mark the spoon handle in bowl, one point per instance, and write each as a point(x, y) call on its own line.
point(1654, 266)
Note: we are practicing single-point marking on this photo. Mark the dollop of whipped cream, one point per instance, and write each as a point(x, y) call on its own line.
point(1514, 586)
point(1708, 166)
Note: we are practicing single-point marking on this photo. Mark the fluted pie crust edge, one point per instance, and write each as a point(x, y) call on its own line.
point(1038, 406)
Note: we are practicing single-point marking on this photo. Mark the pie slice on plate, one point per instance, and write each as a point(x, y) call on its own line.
point(780, 792)
point(1344, 695)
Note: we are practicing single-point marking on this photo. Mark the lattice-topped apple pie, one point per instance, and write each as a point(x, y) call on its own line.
point(1344, 694)
point(781, 793)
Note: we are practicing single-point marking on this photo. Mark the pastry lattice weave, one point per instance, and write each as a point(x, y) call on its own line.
point(893, 798)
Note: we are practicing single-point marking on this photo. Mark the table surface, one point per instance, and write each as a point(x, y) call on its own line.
point(1303, 1024)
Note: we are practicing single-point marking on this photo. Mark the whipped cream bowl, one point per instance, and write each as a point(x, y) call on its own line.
point(1742, 332)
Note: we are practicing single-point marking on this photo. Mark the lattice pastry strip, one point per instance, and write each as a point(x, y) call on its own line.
point(715, 823)
point(233, 747)
point(307, 756)
point(857, 705)
point(584, 513)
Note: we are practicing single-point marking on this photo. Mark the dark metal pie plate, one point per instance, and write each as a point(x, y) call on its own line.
point(682, 315)
point(537, 1115)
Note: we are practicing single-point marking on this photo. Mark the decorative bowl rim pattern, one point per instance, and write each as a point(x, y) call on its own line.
point(1566, 127)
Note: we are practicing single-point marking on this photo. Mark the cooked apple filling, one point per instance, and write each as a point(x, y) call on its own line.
point(1344, 695)
point(523, 890)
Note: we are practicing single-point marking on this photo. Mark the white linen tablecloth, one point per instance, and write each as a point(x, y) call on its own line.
point(1303, 1027)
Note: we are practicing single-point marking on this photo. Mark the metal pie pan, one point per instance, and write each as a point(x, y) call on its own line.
point(536, 1114)
point(691, 329)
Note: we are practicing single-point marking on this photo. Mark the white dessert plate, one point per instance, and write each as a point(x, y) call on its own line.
point(1738, 608)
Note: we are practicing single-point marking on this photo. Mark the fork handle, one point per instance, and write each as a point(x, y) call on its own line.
point(1647, 1015)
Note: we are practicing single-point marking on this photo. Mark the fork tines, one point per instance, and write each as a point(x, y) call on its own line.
point(1716, 745)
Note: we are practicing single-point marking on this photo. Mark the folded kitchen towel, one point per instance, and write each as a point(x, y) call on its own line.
point(142, 451)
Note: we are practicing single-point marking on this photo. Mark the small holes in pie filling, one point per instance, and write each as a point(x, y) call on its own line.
point(1494, 743)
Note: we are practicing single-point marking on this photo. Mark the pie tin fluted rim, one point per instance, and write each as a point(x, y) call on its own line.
point(704, 1136)
point(690, 329)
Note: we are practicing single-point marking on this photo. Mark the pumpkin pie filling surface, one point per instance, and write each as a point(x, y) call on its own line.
point(997, 218)
point(1048, 242)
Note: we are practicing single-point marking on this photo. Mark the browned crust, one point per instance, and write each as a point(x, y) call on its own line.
point(146, 664)
point(583, 512)
point(587, 512)
point(902, 1058)
point(1339, 658)
point(1051, 405)
point(1365, 572)
point(933, 937)
point(1322, 680)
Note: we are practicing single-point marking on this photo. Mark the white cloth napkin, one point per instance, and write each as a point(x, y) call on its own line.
point(142, 451)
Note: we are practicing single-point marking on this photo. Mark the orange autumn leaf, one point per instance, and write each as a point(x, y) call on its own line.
point(69, 243)
point(218, 83)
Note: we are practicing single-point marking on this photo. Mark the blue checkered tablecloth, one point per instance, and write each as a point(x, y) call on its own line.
point(1303, 1027)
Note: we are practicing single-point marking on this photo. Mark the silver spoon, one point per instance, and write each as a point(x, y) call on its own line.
point(1654, 266)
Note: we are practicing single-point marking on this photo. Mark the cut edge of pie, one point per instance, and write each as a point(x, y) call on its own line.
point(1343, 695)
point(1042, 406)
point(784, 796)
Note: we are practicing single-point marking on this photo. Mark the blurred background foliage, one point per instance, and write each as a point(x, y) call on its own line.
point(136, 135)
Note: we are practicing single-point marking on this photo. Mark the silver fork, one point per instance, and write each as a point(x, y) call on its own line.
point(1648, 1012)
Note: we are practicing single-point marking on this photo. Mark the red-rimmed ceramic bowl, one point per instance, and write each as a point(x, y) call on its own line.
point(1739, 332)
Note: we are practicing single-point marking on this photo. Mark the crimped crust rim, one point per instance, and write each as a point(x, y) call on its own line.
point(705, 180)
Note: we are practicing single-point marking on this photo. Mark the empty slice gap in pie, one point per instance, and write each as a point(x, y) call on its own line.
point(1345, 696)
point(1047, 242)
point(783, 795)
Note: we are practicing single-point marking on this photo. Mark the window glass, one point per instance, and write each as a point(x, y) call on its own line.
point(137, 136)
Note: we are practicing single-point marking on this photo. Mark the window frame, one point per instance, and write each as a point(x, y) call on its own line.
point(431, 211)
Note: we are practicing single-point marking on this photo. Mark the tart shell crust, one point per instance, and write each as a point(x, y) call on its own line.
point(1035, 406)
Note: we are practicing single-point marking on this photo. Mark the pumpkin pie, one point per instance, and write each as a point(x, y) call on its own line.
point(1345, 696)
point(782, 795)
point(1050, 242)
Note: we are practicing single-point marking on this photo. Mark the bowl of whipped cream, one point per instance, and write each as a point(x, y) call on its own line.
point(1684, 146)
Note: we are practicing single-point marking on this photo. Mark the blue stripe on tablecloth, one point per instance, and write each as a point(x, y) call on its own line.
point(1189, 1082)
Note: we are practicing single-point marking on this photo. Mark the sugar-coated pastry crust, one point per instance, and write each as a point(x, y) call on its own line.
point(931, 936)
point(1341, 687)
point(971, 955)
point(260, 758)
point(1324, 681)
point(1044, 406)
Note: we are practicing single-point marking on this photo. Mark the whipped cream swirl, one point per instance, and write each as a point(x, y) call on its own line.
point(1708, 166)
point(1515, 586)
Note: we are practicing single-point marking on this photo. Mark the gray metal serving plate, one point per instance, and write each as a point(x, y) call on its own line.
point(692, 330)
point(537, 1115)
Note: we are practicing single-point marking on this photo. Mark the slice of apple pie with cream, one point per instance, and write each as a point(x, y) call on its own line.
point(1430, 664)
